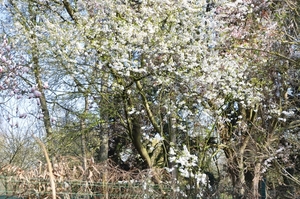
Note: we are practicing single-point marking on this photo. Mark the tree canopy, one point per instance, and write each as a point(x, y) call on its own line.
point(208, 90)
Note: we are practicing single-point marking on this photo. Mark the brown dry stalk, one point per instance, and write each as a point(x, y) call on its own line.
point(51, 176)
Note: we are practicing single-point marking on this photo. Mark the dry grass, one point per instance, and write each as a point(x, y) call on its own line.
point(72, 181)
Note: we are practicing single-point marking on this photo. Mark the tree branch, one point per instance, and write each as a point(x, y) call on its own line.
point(148, 110)
point(69, 10)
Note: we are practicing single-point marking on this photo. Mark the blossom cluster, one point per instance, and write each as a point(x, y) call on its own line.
point(187, 165)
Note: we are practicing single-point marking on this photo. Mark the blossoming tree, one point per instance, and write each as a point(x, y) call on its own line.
point(181, 80)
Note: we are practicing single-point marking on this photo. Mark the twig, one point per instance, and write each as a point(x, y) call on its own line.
point(268, 52)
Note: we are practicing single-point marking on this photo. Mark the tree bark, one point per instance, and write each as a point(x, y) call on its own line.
point(103, 152)
point(83, 134)
point(38, 80)
point(241, 167)
point(256, 180)
point(173, 141)
point(136, 139)
point(236, 168)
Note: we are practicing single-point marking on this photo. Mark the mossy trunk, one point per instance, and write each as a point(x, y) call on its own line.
point(136, 139)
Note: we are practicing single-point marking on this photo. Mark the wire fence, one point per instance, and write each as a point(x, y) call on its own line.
point(11, 187)
point(97, 180)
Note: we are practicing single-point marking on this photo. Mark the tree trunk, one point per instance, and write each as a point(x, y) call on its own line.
point(103, 152)
point(256, 180)
point(37, 76)
point(136, 139)
point(83, 134)
point(173, 141)
point(83, 141)
point(241, 168)
point(236, 168)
